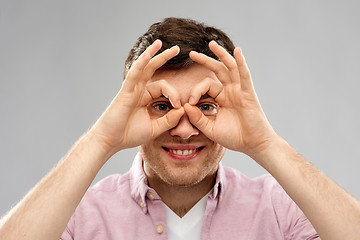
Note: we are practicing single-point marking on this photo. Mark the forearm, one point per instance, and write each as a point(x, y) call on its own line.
point(46, 209)
point(334, 213)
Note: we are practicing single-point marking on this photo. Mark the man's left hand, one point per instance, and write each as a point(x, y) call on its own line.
point(240, 123)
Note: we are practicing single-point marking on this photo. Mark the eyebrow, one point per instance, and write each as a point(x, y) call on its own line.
point(205, 96)
point(162, 96)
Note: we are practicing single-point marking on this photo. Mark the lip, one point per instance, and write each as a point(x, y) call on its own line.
point(183, 147)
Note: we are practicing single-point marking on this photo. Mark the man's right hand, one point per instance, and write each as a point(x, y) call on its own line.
point(126, 122)
point(45, 211)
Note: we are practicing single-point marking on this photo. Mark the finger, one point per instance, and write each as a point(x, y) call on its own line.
point(133, 74)
point(159, 60)
point(216, 66)
point(138, 66)
point(245, 77)
point(168, 121)
point(227, 59)
point(199, 120)
point(153, 48)
point(150, 51)
point(162, 87)
point(209, 86)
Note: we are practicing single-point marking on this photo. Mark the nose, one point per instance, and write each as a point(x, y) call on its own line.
point(184, 129)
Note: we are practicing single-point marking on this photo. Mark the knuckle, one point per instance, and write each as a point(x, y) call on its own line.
point(232, 66)
point(168, 121)
point(162, 83)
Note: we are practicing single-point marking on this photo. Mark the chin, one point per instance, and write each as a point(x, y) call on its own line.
point(186, 177)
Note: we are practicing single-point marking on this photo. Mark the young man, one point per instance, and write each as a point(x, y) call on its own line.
point(186, 97)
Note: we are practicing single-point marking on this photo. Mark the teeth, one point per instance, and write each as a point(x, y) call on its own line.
point(185, 152)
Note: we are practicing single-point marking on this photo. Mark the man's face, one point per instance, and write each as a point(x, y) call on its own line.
point(182, 156)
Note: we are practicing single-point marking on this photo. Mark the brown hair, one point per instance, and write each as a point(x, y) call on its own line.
point(187, 34)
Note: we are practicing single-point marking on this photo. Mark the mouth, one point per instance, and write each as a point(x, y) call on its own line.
point(183, 152)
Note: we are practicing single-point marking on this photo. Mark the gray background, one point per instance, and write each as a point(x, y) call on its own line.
point(61, 64)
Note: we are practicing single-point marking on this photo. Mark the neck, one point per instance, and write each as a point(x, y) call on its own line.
point(180, 199)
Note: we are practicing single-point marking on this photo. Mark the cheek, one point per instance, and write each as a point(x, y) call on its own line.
point(149, 159)
point(217, 153)
point(146, 152)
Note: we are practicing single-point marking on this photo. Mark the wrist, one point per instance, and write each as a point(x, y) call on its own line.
point(271, 152)
point(98, 146)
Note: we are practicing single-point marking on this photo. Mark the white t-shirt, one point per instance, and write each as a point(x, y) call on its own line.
point(189, 226)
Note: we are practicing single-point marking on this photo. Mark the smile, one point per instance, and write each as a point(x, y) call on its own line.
point(183, 152)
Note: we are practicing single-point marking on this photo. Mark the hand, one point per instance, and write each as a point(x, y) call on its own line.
point(240, 123)
point(126, 122)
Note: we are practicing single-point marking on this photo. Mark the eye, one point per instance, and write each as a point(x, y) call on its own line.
point(205, 107)
point(208, 109)
point(162, 107)
point(159, 108)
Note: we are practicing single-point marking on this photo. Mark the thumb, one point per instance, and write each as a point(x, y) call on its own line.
point(199, 120)
point(168, 121)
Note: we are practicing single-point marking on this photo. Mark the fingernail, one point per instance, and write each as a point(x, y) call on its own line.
point(192, 100)
point(157, 40)
point(194, 53)
point(178, 103)
point(177, 47)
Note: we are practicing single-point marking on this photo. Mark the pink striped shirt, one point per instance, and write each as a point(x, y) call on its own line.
point(125, 207)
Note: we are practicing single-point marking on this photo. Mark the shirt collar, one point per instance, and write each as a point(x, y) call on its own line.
point(220, 184)
point(138, 182)
point(140, 188)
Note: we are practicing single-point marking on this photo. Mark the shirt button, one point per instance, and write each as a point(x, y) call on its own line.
point(142, 204)
point(159, 229)
point(151, 195)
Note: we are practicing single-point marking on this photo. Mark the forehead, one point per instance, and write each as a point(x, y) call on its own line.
point(184, 79)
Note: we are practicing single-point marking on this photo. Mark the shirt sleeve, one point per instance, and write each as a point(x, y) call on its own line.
point(292, 221)
point(68, 233)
